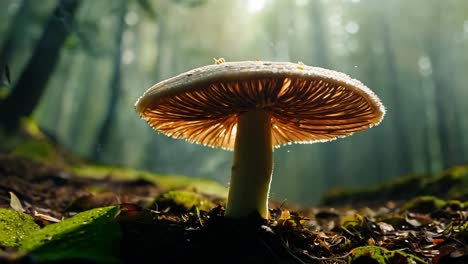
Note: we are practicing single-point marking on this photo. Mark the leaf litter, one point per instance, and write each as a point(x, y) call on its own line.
point(418, 231)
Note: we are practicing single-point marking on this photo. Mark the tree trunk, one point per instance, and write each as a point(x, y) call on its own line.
point(165, 50)
point(376, 144)
point(319, 37)
point(115, 88)
point(75, 130)
point(16, 24)
point(403, 159)
point(447, 111)
point(27, 92)
point(330, 154)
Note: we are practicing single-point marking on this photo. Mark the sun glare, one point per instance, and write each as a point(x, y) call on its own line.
point(254, 6)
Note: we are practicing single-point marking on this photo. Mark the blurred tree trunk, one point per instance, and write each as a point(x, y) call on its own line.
point(377, 149)
point(449, 122)
point(319, 37)
point(115, 86)
point(330, 156)
point(27, 91)
point(433, 153)
point(56, 111)
point(32, 82)
point(370, 45)
point(16, 26)
point(163, 59)
point(75, 130)
point(403, 157)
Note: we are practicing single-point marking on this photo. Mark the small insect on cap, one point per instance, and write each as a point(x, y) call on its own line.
point(307, 104)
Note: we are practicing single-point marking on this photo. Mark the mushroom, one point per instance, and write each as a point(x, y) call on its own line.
point(251, 107)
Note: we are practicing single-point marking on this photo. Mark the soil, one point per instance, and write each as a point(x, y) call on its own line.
point(170, 233)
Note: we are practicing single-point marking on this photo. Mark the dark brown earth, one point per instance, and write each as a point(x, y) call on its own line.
point(424, 232)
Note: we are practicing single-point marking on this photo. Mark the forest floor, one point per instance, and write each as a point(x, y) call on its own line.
point(55, 212)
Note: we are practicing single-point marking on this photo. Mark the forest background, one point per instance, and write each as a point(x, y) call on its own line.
point(412, 54)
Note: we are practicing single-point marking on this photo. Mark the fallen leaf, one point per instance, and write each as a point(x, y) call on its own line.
point(437, 241)
point(45, 217)
point(386, 228)
point(15, 203)
point(134, 213)
point(285, 214)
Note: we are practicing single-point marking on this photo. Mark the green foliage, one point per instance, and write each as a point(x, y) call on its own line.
point(373, 254)
point(184, 199)
point(92, 235)
point(14, 227)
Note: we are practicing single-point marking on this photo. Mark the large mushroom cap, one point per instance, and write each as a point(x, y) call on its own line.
point(307, 104)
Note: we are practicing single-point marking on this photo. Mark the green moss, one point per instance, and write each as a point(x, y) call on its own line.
point(374, 254)
point(36, 150)
point(4, 91)
point(345, 245)
point(455, 205)
point(169, 182)
point(92, 235)
point(35, 147)
point(14, 227)
point(368, 252)
point(354, 224)
point(462, 232)
point(457, 171)
point(398, 188)
point(459, 176)
point(458, 231)
point(31, 128)
point(449, 184)
point(352, 221)
point(394, 220)
point(424, 204)
point(184, 199)
point(340, 192)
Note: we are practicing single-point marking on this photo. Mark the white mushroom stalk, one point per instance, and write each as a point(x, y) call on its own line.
point(252, 166)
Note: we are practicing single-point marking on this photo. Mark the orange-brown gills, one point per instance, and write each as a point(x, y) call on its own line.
point(307, 104)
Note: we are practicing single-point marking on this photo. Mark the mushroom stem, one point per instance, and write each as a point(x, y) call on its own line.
point(252, 166)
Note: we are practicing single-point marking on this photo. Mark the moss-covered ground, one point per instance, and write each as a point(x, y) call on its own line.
point(56, 208)
point(451, 183)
